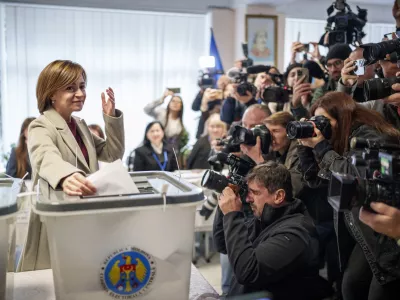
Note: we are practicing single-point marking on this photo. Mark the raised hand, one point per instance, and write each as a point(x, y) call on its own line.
point(109, 105)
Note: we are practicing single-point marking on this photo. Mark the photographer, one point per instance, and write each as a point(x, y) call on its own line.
point(233, 108)
point(371, 267)
point(350, 83)
point(276, 251)
point(283, 150)
point(209, 101)
point(334, 63)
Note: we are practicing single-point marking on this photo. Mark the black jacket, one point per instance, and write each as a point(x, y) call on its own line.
point(276, 253)
point(144, 160)
point(382, 253)
point(199, 155)
point(232, 110)
point(11, 168)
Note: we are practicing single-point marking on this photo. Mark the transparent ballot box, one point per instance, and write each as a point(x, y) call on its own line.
point(9, 189)
point(122, 246)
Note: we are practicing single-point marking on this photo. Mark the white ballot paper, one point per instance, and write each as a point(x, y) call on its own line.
point(113, 179)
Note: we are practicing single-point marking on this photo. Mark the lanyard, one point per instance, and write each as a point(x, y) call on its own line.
point(164, 165)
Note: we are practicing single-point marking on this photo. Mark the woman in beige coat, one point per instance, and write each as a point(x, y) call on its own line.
point(61, 147)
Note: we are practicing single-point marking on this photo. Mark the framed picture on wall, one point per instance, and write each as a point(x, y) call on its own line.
point(262, 39)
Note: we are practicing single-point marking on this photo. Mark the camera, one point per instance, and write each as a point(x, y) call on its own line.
point(348, 25)
point(305, 129)
point(375, 52)
point(241, 135)
point(239, 77)
point(236, 179)
point(206, 81)
point(248, 62)
point(378, 177)
point(379, 88)
point(278, 93)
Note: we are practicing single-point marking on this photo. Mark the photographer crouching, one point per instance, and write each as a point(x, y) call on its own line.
point(277, 250)
point(371, 263)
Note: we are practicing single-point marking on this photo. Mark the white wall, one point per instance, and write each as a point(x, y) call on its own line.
point(222, 22)
point(184, 6)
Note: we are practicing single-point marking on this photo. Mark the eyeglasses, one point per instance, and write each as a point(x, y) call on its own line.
point(335, 64)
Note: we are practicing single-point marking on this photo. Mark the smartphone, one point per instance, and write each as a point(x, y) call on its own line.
point(175, 90)
point(220, 94)
point(306, 47)
point(303, 72)
point(298, 36)
point(389, 35)
point(360, 67)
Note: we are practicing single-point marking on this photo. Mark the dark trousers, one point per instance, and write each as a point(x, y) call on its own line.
point(360, 284)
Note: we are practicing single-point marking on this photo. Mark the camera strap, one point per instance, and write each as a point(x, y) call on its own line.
point(164, 165)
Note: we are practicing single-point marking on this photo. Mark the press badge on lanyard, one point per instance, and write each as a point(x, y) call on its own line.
point(164, 165)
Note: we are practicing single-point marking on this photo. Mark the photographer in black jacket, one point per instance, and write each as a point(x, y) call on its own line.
point(371, 263)
point(276, 251)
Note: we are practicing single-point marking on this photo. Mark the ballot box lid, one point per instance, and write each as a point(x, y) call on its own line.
point(150, 185)
point(9, 190)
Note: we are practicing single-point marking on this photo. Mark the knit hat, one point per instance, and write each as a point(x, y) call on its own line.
point(339, 51)
point(314, 69)
point(290, 68)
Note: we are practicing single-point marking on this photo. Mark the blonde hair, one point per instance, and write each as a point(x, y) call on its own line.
point(55, 76)
point(214, 118)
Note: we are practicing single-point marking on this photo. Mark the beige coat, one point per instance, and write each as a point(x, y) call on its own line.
point(52, 149)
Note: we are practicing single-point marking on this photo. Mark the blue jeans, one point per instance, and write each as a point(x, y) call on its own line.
point(227, 273)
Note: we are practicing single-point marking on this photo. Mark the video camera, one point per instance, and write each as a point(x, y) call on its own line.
point(241, 135)
point(236, 179)
point(348, 26)
point(206, 79)
point(378, 177)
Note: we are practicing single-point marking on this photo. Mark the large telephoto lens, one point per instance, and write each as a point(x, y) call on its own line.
point(375, 52)
point(379, 88)
point(299, 130)
point(214, 181)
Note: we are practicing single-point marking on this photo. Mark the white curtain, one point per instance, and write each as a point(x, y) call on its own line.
point(137, 54)
point(312, 30)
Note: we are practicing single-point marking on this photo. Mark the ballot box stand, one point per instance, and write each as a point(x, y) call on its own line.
point(9, 190)
point(122, 246)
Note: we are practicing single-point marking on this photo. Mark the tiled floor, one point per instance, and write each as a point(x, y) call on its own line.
point(211, 271)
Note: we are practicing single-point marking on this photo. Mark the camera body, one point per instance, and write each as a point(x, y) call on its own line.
point(305, 129)
point(379, 88)
point(241, 135)
point(236, 179)
point(378, 177)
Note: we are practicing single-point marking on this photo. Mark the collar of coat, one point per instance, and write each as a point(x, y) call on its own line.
point(57, 120)
point(272, 214)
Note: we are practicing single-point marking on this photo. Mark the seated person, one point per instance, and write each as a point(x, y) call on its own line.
point(216, 129)
point(155, 154)
point(276, 251)
point(171, 119)
point(19, 164)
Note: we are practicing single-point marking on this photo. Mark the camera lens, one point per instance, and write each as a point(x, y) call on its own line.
point(379, 88)
point(299, 130)
point(214, 181)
